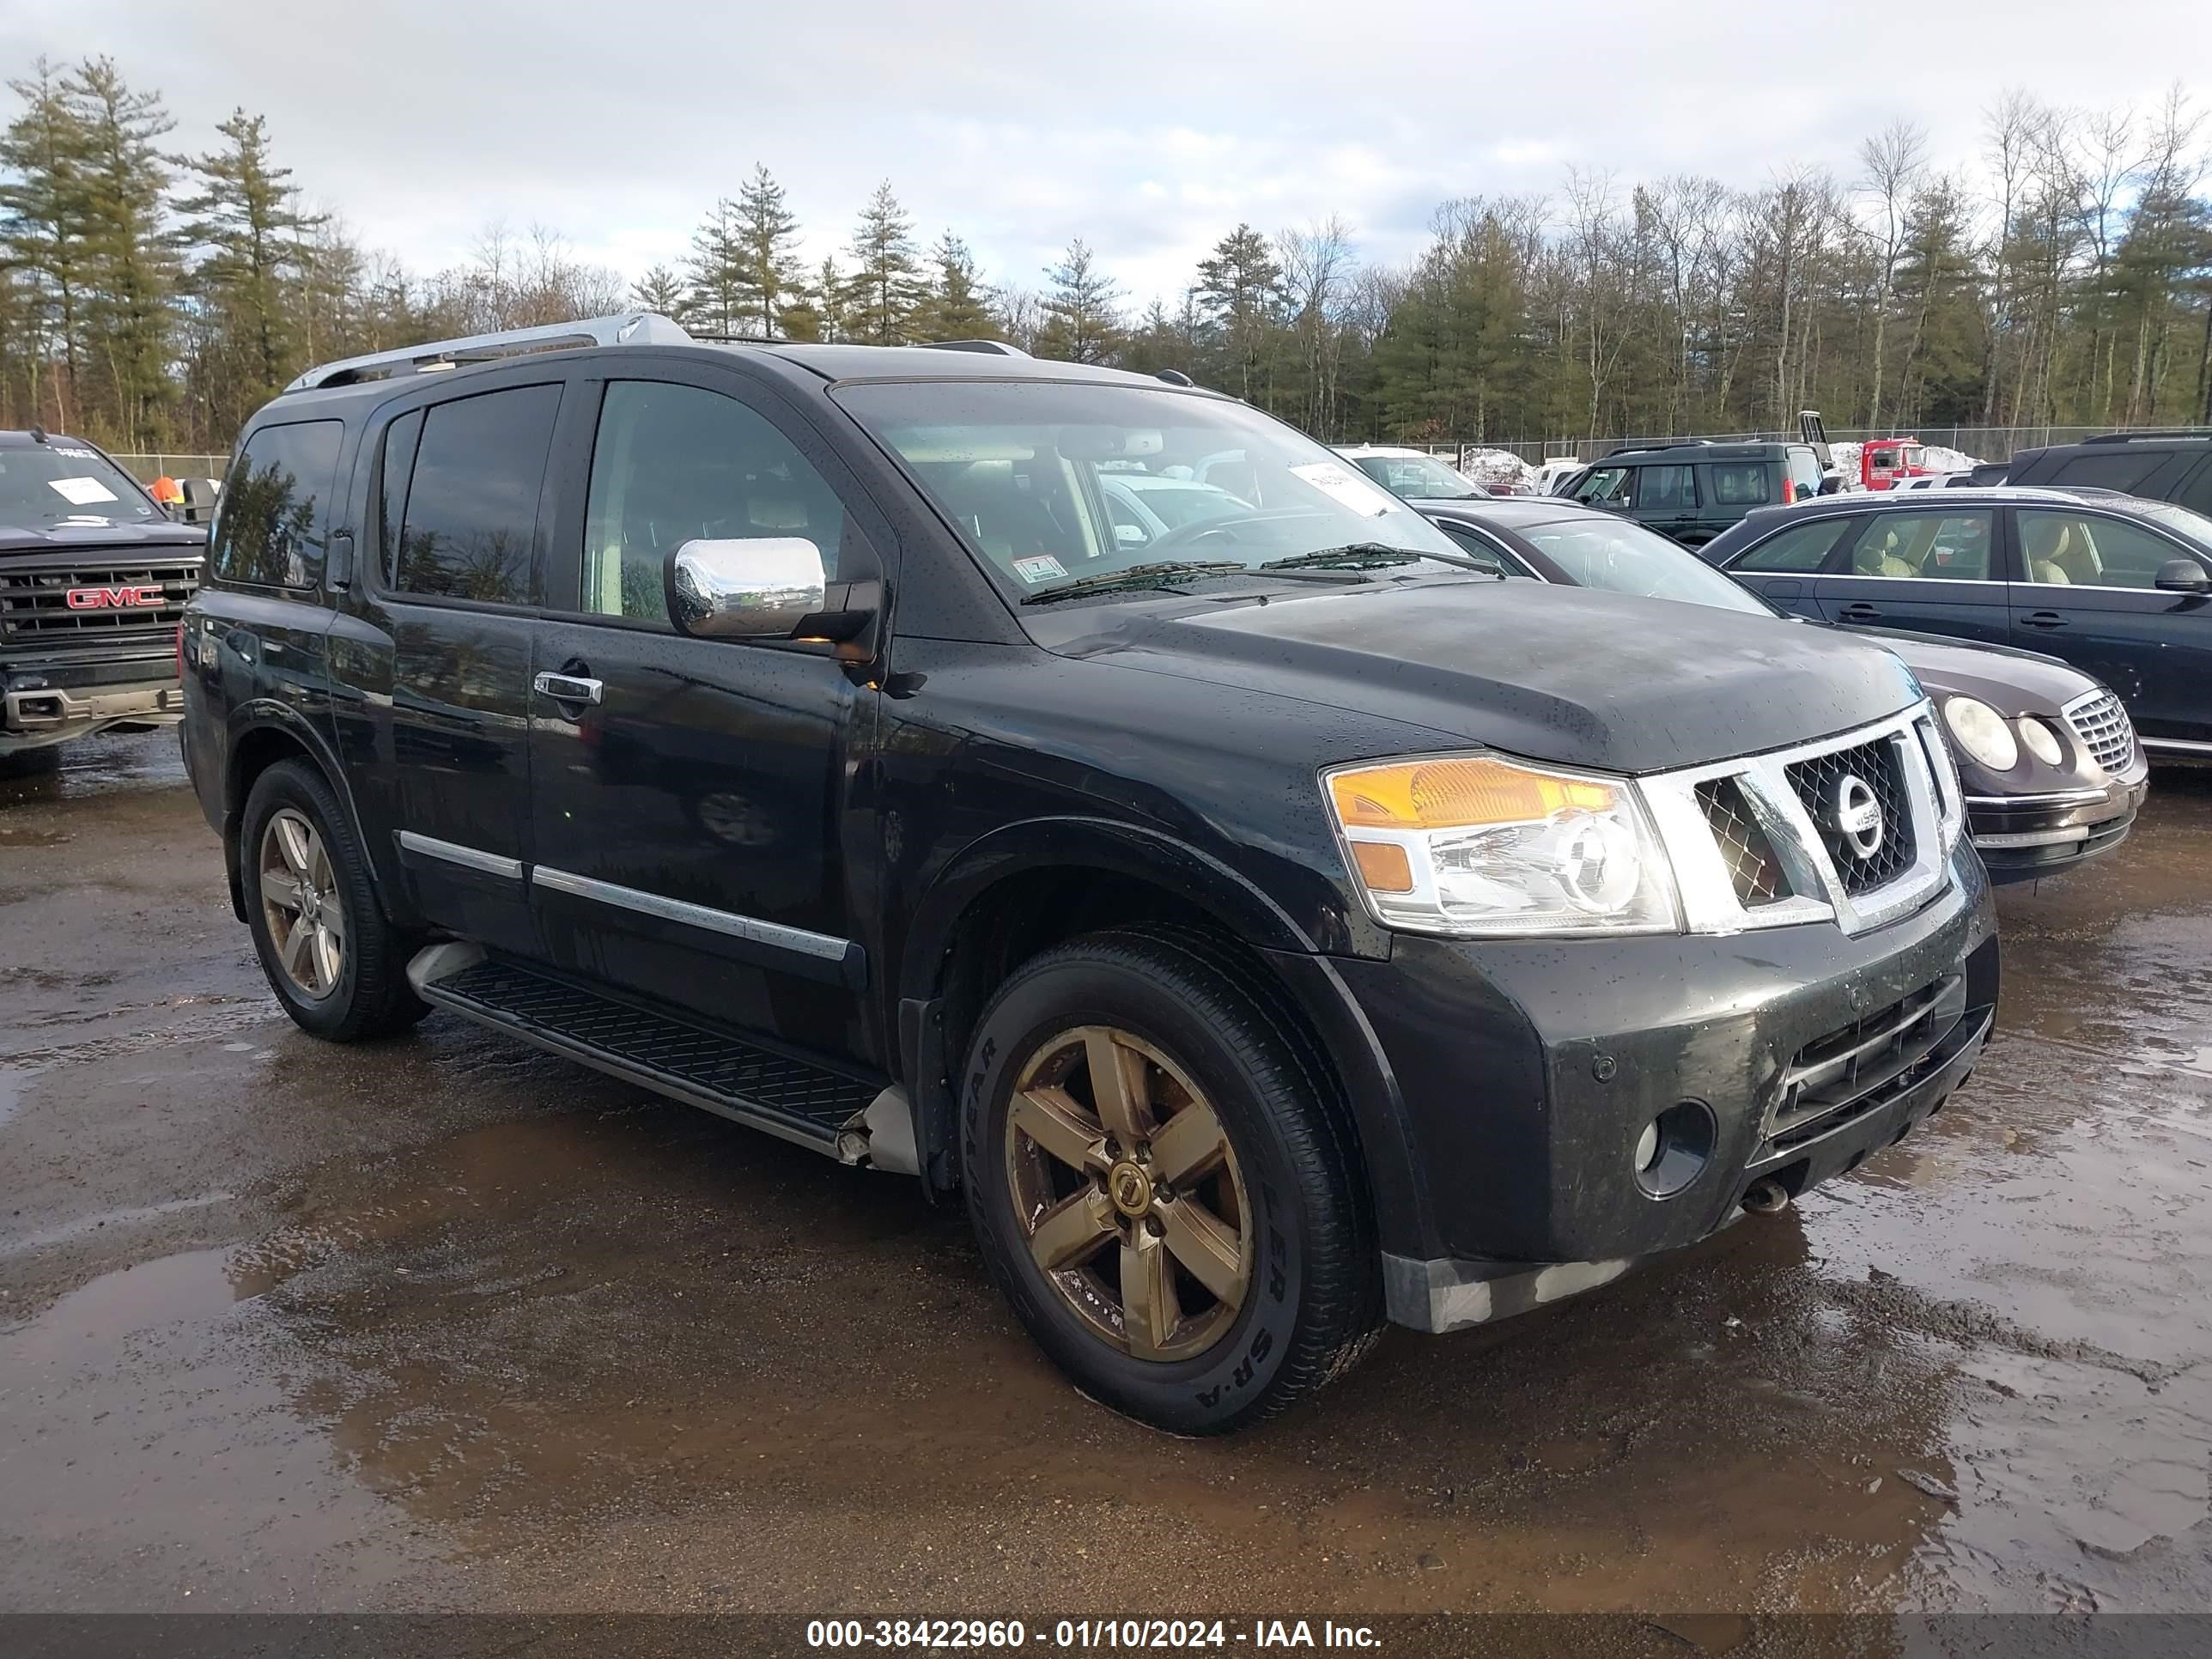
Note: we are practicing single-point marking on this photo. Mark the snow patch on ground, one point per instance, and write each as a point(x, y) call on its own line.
point(1495, 466)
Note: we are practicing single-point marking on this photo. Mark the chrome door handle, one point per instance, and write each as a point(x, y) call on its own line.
point(567, 688)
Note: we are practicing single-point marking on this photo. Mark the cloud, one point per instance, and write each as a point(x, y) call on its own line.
point(1148, 129)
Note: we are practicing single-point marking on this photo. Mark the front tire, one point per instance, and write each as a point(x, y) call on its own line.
point(336, 963)
point(1161, 1182)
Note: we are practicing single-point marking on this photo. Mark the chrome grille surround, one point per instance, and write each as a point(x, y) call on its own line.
point(1815, 890)
point(2102, 724)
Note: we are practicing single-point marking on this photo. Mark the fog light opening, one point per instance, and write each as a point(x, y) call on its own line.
point(1673, 1149)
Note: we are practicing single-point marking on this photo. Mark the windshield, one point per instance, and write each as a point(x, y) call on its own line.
point(56, 482)
point(1043, 480)
point(2174, 516)
point(1418, 477)
point(1622, 557)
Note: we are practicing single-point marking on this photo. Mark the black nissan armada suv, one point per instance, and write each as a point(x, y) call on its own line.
point(1267, 924)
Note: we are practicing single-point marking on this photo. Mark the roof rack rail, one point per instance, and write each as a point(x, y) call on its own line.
point(629, 328)
point(1662, 443)
point(2159, 431)
point(990, 347)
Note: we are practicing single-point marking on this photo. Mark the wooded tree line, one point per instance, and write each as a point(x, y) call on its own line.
point(152, 299)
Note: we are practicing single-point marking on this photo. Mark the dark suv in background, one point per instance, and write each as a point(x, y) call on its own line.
point(1269, 929)
point(2163, 466)
point(1692, 491)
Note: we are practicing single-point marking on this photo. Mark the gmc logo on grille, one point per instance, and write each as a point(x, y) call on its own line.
point(114, 598)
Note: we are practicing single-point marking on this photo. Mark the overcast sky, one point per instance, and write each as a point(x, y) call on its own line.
point(1148, 128)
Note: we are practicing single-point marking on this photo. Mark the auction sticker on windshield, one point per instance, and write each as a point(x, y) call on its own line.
point(1039, 568)
point(80, 492)
point(1346, 488)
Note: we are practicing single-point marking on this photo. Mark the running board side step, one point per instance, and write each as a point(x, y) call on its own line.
point(844, 1117)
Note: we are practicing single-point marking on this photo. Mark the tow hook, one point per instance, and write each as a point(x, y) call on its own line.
point(1766, 1198)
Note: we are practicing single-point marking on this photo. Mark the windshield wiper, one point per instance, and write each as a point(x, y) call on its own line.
point(1368, 555)
point(1159, 573)
point(1164, 573)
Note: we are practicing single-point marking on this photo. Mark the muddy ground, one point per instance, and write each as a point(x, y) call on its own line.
point(443, 1323)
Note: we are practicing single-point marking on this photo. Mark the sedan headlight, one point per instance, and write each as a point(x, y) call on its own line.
point(2039, 741)
point(1470, 845)
point(1981, 732)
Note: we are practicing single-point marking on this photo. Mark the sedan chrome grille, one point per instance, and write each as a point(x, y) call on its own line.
point(2103, 726)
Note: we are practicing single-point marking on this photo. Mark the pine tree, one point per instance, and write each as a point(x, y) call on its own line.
point(959, 306)
point(1082, 320)
point(1240, 286)
point(130, 312)
point(660, 290)
point(43, 211)
point(766, 231)
point(250, 239)
point(886, 285)
point(714, 276)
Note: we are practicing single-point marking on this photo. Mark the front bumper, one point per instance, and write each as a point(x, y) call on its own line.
point(34, 712)
point(1529, 1070)
point(2023, 837)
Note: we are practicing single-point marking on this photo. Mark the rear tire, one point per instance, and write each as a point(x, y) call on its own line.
point(1211, 1260)
point(336, 963)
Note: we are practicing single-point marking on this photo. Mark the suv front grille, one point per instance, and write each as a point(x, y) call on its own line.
point(2104, 728)
point(1855, 829)
point(35, 603)
point(1861, 1066)
point(1754, 870)
point(1866, 860)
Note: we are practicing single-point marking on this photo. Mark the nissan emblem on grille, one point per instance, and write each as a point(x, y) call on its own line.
point(1858, 815)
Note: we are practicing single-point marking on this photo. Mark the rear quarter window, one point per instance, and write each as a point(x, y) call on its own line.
point(1799, 550)
point(275, 517)
point(1740, 483)
point(2121, 471)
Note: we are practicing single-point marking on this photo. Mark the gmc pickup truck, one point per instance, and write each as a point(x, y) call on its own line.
point(94, 579)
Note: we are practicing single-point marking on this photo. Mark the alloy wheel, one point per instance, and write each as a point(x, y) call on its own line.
point(300, 904)
point(1129, 1193)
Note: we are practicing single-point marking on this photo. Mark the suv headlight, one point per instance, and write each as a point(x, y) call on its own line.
point(1470, 845)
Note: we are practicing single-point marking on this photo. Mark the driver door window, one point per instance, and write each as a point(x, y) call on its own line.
point(674, 464)
point(2075, 550)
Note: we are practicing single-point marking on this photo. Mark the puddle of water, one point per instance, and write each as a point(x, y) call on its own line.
point(95, 1317)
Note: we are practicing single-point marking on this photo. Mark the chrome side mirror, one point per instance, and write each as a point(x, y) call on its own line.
point(754, 589)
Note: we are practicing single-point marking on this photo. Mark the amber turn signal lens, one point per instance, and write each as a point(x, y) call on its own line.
point(1457, 793)
point(1383, 866)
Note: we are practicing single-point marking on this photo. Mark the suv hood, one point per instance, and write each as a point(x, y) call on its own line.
point(1572, 675)
point(167, 537)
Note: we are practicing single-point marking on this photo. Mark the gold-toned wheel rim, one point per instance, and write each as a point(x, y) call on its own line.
point(1128, 1193)
point(300, 902)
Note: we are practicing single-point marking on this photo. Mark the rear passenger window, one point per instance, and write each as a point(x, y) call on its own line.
point(471, 519)
point(1933, 546)
point(676, 463)
point(276, 507)
point(1740, 483)
point(1800, 550)
point(1657, 488)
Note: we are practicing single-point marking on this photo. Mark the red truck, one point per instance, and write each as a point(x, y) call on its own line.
point(1883, 461)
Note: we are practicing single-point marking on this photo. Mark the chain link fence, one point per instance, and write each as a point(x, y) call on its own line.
point(147, 468)
point(1984, 443)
